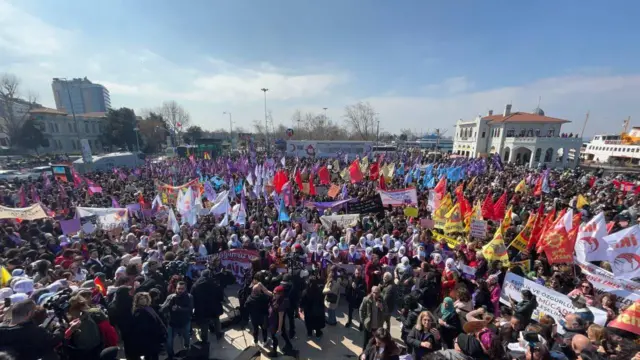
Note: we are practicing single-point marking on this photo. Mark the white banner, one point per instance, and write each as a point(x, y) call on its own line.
point(105, 218)
point(33, 212)
point(343, 221)
point(550, 302)
point(478, 229)
point(590, 244)
point(624, 252)
point(603, 281)
point(407, 196)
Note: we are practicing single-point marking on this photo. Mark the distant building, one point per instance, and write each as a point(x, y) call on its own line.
point(19, 108)
point(80, 96)
point(519, 137)
point(64, 134)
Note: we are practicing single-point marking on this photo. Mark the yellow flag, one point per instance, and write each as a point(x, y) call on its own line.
point(496, 249)
point(581, 202)
point(521, 241)
point(336, 166)
point(364, 165)
point(521, 187)
point(345, 174)
point(388, 171)
point(439, 215)
point(475, 214)
point(5, 277)
point(471, 183)
point(454, 221)
point(506, 222)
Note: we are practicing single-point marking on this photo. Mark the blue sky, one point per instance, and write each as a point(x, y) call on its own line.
point(421, 64)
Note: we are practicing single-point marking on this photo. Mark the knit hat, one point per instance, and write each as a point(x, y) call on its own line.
point(279, 289)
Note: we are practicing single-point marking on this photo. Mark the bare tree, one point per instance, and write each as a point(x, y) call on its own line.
point(310, 126)
point(14, 111)
point(362, 119)
point(176, 116)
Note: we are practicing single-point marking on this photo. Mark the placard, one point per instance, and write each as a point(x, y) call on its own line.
point(478, 229)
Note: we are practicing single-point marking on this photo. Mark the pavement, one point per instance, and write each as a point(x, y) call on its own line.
point(336, 343)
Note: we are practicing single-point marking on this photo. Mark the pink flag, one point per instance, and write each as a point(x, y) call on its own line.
point(34, 194)
point(22, 196)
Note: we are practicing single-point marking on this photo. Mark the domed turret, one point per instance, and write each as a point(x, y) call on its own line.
point(538, 111)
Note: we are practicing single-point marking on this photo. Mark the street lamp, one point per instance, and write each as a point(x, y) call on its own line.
point(230, 122)
point(137, 130)
point(266, 127)
point(73, 113)
point(325, 113)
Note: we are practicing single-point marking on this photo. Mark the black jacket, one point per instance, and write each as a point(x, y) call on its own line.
point(258, 306)
point(29, 342)
point(149, 331)
point(181, 316)
point(207, 298)
point(357, 293)
point(416, 337)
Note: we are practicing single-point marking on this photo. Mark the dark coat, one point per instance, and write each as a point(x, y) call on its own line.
point(28, 341)
point(258, 307)
point(181, 316)
point(207, 298)
point(149, 331)
point(312, 305)
point(414, 339)
point(357, 293)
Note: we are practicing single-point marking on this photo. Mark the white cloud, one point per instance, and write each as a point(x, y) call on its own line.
point(454, 85)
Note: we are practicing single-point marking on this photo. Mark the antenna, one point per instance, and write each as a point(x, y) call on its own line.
point(539, 100)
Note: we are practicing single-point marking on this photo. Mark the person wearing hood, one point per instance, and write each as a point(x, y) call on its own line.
point(331, 242)
point(234, 243)
point(207, 305)
point(335, 257)
point(343, 245)
point(354, 256)
point(449, 277)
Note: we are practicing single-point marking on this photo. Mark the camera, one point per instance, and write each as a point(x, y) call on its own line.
point(59, 304)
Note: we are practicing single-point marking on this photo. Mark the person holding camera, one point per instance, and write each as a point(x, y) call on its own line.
point(179, 307)
point(24, 339)
point(372, 311)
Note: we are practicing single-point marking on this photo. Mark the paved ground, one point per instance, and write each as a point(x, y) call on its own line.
point(338, 342)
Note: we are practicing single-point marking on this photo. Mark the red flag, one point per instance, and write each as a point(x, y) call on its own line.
point(487, 207)
point(500, 207)
point(546, 226)
point(312, 187)
point(279, 179)
point(537, 227)
point(374, 171)
point(573, 234)
point(100, 286)
point(77, 179)
point(592, 181)
point(141, 199)
point(441, 187)
point(298, 178)
point(537, 190)
point(557, 245)
point(465, 207)
point(323, 174)
point(354, 172)
point(382, 184)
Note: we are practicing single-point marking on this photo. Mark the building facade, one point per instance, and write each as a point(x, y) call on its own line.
point(80, 96)
point(64, 134)
point(519, 137)
point(16, 110)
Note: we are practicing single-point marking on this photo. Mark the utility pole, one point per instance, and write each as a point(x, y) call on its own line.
point(266, 126)
point(378, 134)
point(584, 126)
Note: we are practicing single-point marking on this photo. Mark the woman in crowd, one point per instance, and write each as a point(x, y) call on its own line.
point(585, 288)
point(381, 347)
point(424, 337)
point(448, 321)
point(312, 307)
point(147, 328)
point(331, 294)
point(277, 308)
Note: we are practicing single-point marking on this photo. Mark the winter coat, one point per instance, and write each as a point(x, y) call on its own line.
point(207, 299)
point(356, 294)
point(181, 316)
point(149, 331)
point(416, 337)
point(367, 308)
point(331, 288)
point(313, 307)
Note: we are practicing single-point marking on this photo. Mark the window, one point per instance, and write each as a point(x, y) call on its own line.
point(86, 127)
point(56, 126)
point(511, 132)
point(75, 127)
point(530, 133)
point(70, 128)
point(483, 134)
point(537, 132)
point(551, 132)
point(522, 132)
point(93, 127)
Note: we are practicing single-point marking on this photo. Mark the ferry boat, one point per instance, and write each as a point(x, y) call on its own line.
point(621, 149)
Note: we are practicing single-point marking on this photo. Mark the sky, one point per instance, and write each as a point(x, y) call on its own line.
point(421, 64)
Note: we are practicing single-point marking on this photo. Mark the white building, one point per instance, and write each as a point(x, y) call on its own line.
point(64, 134)
point(520, 137)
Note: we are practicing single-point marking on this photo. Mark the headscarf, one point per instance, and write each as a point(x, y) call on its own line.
point(368, 252)
point(343, 244)
point(447, 309)
point(450, 264)
point(330, 243)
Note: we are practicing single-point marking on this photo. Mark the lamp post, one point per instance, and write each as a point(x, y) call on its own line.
point(266, 126)
point(137, 130)
point(230, 129)
point(325, 113)
point(73, 113)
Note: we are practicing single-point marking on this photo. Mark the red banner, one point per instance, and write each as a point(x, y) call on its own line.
point(629, 320)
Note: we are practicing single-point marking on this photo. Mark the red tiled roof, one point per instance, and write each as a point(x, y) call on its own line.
point(523, 117)
point(44, 110)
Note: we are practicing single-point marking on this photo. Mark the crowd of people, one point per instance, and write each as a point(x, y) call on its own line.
point(100, 291)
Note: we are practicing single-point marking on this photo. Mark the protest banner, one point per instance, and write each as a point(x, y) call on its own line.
point(238, 261)
point(478, 229)
point(451, 242)
point(169, 194)
point(33, 212)
point(401, 197)
point(104, 218)
point(411, 211)
point(426, 223)
point(628, 320)
point(626, 291)
point(550, 302)
point(343, 221)
point(468, 271)
point(333, 191)
point(372, 205)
